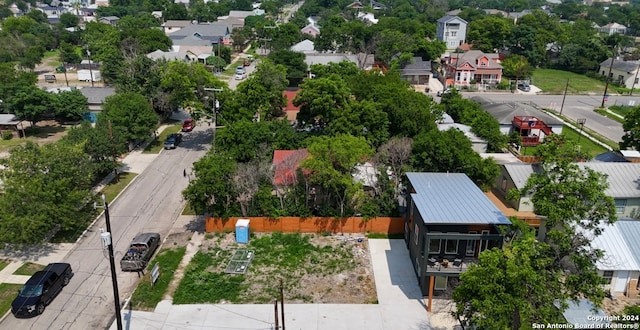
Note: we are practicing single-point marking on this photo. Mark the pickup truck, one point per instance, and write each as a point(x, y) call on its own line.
point(140, 251)
point(40, 290)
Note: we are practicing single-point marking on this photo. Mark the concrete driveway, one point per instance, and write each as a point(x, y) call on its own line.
point(400, 305)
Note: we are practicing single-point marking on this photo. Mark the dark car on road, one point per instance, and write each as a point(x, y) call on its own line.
point(172, 141)
point(40, 290)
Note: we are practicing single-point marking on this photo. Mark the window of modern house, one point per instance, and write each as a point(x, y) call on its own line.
point(607, 275)
point(451, 247)
point(453, 33)
point(423, 246)
point(416, 230)
point(471, 246)
point(621, 204)
point(440, 283)
point(434, 246)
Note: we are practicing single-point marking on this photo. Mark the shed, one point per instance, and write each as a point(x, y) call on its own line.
point(10, 123)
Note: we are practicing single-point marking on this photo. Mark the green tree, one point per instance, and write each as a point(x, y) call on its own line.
point(69, 20)
point(489, 33)
point(31, 104)
point(70, 105)
point(320, 100)
point(46, 190)
point(294, 62)
point(104, 146)
point(331, 163)
point(509, 288)
point(68, 53)
point(516, 66)
point(175, 11)
point(631, 127)
point(362, 118)
point(211, 192)
point(261, 93)
point(451, 151)
point(130, 115)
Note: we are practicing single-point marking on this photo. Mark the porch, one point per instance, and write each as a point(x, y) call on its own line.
point(448, 267)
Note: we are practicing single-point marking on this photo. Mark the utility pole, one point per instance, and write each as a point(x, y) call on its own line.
point(90, 66)
point(215, 107)
point(64, 69)
point(108, 241)
point(564, 96)
point(275, 306)
point(282, 302)
point(635, 79)
point(606, 85)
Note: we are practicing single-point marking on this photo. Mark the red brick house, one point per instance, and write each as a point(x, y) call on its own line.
point(473, 67)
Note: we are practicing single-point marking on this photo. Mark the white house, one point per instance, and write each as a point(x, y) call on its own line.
point(452, 30)
point(620, 266)
point(613, 28)
point(623, 72)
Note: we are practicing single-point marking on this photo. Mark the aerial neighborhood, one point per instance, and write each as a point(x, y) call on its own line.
point(392, 164)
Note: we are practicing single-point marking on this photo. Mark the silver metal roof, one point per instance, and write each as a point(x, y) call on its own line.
point(630, 230)
point(623, 178)
point(452, 198)
point(617, 254)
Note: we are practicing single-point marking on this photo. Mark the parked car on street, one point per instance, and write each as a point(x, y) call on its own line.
point(524, 87)
point(140, 251)
point(444, 91)
point(172, 141)
point(241, 76)
point(188, 125)
point(40, 289)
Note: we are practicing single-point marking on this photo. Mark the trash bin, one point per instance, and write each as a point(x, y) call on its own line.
point(242, 231)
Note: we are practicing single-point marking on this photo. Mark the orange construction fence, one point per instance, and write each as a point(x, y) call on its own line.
point(387, 225)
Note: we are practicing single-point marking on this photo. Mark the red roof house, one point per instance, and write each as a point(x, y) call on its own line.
point(290, 109)
point(285, 163)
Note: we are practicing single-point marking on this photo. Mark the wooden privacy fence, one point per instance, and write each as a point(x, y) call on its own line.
point(387, 225)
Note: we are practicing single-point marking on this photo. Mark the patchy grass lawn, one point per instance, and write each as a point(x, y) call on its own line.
point(4, 263)
point(188, 210)
point(554, 82)
point(146, 296)
point(621, 110)
point(8, 292)
point(28, 269)
point(36, 134)
point(157, 144)
point(114, 187)
point(609, 115)
point(313, 268)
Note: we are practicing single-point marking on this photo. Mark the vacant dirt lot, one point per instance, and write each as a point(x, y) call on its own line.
point(338, 270)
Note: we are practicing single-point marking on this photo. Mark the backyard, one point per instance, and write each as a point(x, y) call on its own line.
point(314, 268)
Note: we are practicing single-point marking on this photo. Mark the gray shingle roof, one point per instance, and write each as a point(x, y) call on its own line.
point(609, 157)
point(472, 55)
point(448, 18)
point(97, 95)
point(452, 198)
point(417, 67)
point(504, 112)
point(623, 178)
point(209, 31)
point(627, 66)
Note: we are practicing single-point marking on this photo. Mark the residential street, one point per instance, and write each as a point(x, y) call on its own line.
point(575, 107)
point(151, 203)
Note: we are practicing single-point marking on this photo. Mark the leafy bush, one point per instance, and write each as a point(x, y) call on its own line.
point(7, 135)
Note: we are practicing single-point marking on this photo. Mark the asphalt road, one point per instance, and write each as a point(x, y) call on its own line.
point(575, 107)
point(151, 203)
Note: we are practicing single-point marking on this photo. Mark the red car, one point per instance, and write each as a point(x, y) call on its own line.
point(188, 125)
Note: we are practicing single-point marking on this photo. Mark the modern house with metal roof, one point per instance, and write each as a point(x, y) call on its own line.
point(205, 34)
point(620, 266)
point(448, 223)
point(452, 30)
point(623, 180)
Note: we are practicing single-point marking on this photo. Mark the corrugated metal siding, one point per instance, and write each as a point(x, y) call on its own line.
point(623, 178)
point(617, 255)
point(630, 230)
point(452, 198)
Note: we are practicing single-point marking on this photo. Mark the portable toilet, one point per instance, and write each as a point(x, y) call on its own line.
point(242, 231)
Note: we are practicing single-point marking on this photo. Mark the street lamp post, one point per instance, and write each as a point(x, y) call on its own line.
point(581, 122)
point(90, 67)
point(107, 240)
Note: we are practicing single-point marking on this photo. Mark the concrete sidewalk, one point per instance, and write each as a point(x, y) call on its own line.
point(400, 305)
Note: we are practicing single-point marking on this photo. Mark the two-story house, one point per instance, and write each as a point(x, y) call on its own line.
point(613, 28)
point(448, 222)
point(473, 67)
point(452, 30)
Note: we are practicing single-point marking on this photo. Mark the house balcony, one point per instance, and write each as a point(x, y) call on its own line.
point(448, 267)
